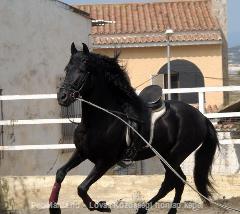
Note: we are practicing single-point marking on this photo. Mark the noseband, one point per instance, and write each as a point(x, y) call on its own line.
point(70, 87)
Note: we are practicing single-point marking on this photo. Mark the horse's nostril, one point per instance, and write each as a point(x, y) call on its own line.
point(64, 96)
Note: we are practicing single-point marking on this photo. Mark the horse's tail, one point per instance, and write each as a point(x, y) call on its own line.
point(203, 162)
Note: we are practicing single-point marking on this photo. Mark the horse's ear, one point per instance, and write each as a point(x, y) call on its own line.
point(85, 48)
point(73, 49)
point(117, 53)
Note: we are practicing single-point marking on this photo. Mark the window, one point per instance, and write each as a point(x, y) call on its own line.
point(174, 84)
point(184, 74)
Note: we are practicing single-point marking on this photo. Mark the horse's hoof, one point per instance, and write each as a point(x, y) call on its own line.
point(103, 207)
point(142, 210)
point(54, 209)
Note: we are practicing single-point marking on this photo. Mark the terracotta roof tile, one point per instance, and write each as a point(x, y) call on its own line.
point(191, 20)
point(185, 37)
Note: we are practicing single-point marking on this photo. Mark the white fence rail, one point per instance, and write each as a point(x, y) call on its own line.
point(37, 147)
point(28, 97)
point(38, 121)
point(72, 146)
point(200, 92)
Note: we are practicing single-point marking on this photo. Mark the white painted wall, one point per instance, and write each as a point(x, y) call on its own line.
point(35, 39)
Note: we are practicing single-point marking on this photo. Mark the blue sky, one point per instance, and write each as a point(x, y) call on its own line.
point(233, 22)
point(233, 16)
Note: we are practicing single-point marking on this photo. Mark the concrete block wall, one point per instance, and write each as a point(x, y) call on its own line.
point(35, 40)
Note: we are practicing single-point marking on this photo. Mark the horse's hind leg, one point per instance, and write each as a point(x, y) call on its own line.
point(74, 161)
point(170, 182)
point(97, 172)
point(179, 187)
point(166, 187)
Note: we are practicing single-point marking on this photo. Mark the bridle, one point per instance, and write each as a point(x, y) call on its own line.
point(70, 87)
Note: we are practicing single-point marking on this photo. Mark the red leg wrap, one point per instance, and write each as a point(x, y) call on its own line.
point(55, 192)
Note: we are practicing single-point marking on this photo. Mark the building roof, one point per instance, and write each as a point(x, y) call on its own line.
point(73, 9)
point(138, 23)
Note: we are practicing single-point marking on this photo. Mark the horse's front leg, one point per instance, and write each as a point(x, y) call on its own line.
point(97, 172)
point(74, 161)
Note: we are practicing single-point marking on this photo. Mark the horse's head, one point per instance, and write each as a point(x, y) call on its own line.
point(77, 76)
point(91, 76)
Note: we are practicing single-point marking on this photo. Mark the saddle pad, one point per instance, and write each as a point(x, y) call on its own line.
point(154, 116)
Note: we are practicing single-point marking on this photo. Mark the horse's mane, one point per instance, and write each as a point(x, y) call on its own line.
point(116, 76)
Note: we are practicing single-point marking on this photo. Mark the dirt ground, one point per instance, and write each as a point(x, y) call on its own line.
point(185, 207)
point(31, 194)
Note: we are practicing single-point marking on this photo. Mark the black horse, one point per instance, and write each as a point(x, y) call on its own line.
point(101, 138)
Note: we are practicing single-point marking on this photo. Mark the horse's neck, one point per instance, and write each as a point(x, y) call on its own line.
point(94, 116)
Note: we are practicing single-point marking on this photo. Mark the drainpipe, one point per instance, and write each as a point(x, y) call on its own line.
point(168, 33)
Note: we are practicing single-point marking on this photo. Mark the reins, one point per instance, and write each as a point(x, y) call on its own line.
point(141, 84)
point(114, 112)
point(158, 155)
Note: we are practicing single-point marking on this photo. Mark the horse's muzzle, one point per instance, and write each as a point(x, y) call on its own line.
point(64, 97)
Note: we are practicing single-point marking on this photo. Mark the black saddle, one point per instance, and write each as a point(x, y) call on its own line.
point(152, 96)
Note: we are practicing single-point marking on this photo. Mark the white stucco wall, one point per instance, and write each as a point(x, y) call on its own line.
point(35, 39)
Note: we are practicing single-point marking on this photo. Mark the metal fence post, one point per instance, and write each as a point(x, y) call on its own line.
point(201, 102)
